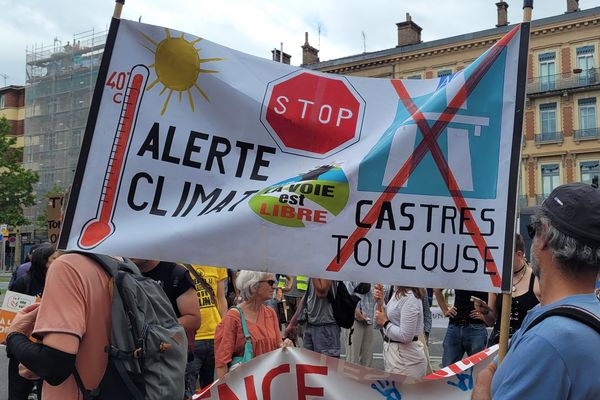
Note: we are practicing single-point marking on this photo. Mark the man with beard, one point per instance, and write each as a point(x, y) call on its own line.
point(558, 357)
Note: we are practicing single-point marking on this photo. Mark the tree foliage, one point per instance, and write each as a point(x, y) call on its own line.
point(16, 182)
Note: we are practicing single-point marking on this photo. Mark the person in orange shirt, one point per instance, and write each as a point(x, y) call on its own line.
point(73, 322)
point(263, 325)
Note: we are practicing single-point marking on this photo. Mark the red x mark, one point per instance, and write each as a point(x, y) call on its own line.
point(430, 136)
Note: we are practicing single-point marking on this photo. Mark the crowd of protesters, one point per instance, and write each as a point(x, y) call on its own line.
point(232, 316)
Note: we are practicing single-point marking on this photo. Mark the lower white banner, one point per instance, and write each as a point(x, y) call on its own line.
point(295, 373)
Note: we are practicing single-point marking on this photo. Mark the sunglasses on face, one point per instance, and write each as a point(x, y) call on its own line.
point(271, 282)
point(531, 230)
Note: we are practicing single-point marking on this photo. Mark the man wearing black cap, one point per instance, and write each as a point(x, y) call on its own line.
point(557, 358)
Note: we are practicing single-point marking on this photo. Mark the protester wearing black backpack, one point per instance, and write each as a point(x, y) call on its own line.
point(106, 331)
point(322, 332)
point(103, 331)
point(326, 307)
point(73, 321)
point(555, 353)
point(359, 338)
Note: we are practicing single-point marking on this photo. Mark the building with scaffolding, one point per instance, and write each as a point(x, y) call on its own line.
point(60, 84)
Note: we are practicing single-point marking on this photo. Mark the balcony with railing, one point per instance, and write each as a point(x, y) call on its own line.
point(586, 134)
point(541, 85)
point(549, 137)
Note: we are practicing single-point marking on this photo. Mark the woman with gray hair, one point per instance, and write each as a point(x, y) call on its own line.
point(262, 322)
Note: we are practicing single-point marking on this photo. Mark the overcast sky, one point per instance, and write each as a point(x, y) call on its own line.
point(255, 26)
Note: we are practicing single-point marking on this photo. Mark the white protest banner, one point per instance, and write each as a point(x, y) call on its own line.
point(302, 374)
point(198, 153)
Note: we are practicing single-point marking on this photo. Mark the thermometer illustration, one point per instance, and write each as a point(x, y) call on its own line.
point(101, 226)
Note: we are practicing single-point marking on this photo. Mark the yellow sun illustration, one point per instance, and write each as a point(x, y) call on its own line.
point(177, 64)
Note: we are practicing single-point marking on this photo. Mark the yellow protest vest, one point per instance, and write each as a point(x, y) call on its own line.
point(281, 282)
point(302, 282)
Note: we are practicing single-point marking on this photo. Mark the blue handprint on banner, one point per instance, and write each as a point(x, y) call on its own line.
point(465, 381)
point(387, 389)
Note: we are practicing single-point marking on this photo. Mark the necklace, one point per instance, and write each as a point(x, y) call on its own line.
point(522, 268)
point(514, 288)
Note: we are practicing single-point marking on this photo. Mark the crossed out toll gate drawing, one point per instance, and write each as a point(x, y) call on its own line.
point(487, 73)
point(470, 143)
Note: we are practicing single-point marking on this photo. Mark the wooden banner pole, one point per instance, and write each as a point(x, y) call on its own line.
point(527, 10)
point(118, 8)
point(507, 296)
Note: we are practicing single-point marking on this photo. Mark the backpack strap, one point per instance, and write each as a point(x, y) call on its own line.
point(244, 326)
point(94, 394)
point(302, 314)
point(109, 264)
point(133, 389)
point(332, 293)
point(112, 266)
point(569, 311)
point(205, 285)
point(87, 394)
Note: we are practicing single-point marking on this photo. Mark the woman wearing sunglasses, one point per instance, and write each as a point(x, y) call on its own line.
point(261, 322)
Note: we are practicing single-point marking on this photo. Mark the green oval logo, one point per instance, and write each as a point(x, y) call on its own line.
point(311, 198)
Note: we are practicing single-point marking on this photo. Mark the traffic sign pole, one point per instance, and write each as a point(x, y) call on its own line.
point(3, 238)
point(18, 248)
point(2, 254)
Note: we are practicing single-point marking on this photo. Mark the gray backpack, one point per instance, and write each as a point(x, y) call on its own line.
point(147, 354)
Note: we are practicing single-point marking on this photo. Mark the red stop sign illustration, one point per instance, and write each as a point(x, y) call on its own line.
point(312, 115)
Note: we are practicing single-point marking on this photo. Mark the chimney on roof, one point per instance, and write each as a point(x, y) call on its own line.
point(572, 6)
point(277, 56)
point(502, 13)
point(408, 32)
point(310, 55)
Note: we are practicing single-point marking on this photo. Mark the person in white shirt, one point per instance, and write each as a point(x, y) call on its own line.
point(402, 323)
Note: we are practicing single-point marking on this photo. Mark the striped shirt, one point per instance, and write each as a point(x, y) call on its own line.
point(406, 318)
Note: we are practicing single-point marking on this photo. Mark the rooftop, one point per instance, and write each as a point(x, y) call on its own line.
point(397, 51)
point(11, 87)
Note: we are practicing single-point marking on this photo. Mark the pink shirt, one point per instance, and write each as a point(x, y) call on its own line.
point(229, 337)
